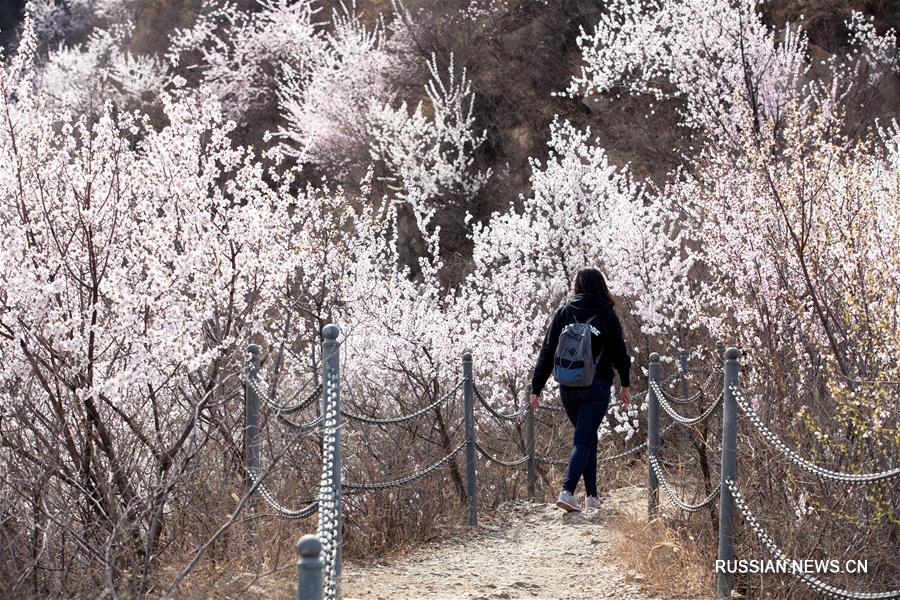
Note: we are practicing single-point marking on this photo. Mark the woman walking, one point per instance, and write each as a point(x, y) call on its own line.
point(588, 310)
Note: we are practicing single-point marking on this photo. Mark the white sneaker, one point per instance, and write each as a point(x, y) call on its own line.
point(592, 502)
point(567, 502)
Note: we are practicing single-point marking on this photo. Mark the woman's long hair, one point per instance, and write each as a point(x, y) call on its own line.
point(591, 281)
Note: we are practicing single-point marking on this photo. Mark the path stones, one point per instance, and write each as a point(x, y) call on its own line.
point(534, 551)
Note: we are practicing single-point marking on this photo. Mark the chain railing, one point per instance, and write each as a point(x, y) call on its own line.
point(252, 446)
point(305, 425)
point(497, 461)
point(281, 510)
point(328, 503)
point(829, 591)
point(403, 418)
point(513, 416)
point(383, 485)
point(673, 497)
point(323, 555)
point(731, 398)
point(324, 574)
point(704, 390)
point(793, 456)
point(284, 408)
point(678, 418)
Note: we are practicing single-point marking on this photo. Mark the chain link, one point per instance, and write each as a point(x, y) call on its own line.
point(303, 426)
point(409, 478)
point(676, 399)
point(679, 418)
point(403, 418)
point(820, 586)
point(673, 497)
point(704, 388)
point(515, 416)
point(794, 457)
point(260, 486)
point(279, 508)
point(503, 463)
point(284, 408)
point(636, 450)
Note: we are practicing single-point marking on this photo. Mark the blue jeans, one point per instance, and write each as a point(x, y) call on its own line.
point(586, 408)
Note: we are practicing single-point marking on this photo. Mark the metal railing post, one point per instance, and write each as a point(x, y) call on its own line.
point(469, 397)
point(251, 417)
point(331, 376)
point(310, 568)
point(724, 579)
point(652, 435)
point(529, 443)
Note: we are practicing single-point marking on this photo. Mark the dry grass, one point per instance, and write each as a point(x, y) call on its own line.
point(260, 565)
point(668, 560)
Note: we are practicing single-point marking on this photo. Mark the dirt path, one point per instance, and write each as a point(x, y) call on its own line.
point(540, 552)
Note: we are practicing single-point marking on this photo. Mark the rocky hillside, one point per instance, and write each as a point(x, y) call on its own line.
point(519, 54)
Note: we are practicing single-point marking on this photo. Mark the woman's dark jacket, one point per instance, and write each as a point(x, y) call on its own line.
point(610, 342)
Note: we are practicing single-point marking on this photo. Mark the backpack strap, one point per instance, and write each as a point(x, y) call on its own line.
point(599, 356)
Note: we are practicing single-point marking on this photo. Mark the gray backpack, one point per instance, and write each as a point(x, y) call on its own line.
point(574, 363)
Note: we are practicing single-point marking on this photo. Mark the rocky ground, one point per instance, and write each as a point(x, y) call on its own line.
point(532, 551)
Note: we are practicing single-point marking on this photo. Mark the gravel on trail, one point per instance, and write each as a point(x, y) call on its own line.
point(538, 551)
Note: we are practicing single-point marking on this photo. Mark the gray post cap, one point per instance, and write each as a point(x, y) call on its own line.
point(331, 331)
point(654, 357)
point(254, 362)
point(467, 355)
point(732, 353)
point(309, 546)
